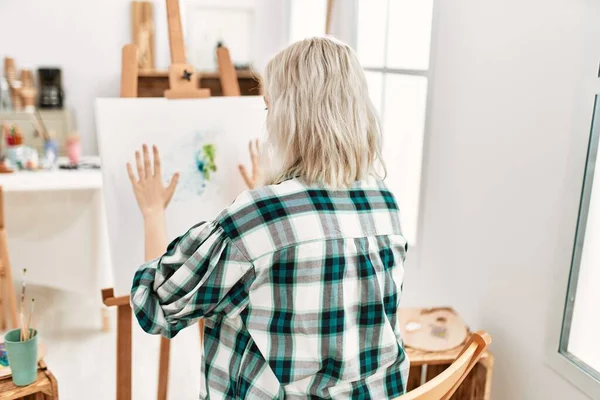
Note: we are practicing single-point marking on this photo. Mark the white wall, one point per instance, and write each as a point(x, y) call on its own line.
point(84, 38)
point(504, 90)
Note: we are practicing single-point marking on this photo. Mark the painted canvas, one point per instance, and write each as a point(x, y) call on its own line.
point(204, 140)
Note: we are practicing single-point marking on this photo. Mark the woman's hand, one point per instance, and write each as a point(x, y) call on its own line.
point(253, 180)
point(150, 192)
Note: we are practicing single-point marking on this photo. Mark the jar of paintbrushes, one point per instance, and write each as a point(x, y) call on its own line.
point(22, 345)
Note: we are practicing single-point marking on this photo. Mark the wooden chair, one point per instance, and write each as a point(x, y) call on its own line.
point(443, 386)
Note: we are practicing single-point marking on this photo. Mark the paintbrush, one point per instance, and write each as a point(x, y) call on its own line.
point(34, 324)
point(35, 321)
point(23, 289)
point(29, 332)
point(22, 333)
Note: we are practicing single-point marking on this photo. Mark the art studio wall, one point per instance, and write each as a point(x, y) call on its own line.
point(84, 38)
point(496, 175)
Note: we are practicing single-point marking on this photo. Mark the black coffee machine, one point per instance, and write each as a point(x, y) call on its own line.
point(51, 93)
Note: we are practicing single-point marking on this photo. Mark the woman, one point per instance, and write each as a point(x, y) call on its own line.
point(299, 281)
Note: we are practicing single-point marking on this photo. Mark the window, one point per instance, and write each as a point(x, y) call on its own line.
point(307, 19)
point(393, 42)
point(581, 323)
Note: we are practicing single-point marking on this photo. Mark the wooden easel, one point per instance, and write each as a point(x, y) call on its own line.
point(230, 85)
point(8, 296)
point(329, 16)
point(183, 80)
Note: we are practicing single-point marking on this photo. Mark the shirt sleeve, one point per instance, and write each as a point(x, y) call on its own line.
point(202, 274)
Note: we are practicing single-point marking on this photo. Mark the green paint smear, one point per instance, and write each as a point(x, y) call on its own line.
point(207, 166)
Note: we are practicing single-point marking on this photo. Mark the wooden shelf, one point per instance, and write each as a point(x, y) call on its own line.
point(61, 121)
point(153, 83)
point(157, 73)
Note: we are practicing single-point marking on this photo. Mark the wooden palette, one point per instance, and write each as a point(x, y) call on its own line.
point(433, 329)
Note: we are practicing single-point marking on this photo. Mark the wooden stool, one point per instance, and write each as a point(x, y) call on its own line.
point(427, 365)
point(437, 336)
point(44, 388)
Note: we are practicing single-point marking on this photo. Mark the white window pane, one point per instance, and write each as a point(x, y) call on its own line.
point(585, 325)
point(375, 84)
point(409, 34)
point(584, 329)
point(206, 27)
point(370, 40)
point(307, 19)
point(403, 127)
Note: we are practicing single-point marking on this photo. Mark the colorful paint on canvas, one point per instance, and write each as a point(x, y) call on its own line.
point(195, 160)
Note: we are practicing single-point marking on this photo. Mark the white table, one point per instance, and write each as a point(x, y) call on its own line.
point(55, 180)
point(57, 229)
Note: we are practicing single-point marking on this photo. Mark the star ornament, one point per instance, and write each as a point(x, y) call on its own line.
point(187, 75)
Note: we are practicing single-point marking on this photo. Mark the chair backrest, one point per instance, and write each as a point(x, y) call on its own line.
point(443, 386)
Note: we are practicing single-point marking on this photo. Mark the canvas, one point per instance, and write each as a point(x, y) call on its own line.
point(204, 140)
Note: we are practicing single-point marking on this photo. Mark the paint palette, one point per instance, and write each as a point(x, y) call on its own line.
point(3, 356)
point(434, 329)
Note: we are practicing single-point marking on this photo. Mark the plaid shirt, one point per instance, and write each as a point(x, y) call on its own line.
point(299, 288)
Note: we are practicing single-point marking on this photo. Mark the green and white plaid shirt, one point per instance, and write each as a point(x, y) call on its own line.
point(299, 287)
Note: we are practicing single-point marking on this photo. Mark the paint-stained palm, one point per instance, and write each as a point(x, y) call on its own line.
point(150, 191)
point(252, 180)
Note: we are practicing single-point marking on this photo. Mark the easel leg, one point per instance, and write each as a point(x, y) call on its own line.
point(163, 363)
point(163, 368)
point(8, 286)
point(201, 329)
point(124, 350)
point(8, 279)
point(105, 319)
point(3, 321)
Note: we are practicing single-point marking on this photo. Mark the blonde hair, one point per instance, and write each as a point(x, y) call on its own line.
point(322, 126)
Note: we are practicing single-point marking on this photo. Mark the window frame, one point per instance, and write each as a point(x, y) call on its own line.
point(349, 12)
point(583, 117)
point(580, 234)
point(430, 75)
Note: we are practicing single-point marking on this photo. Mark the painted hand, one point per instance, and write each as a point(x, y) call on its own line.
point(253, 180)
point(150, 191)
